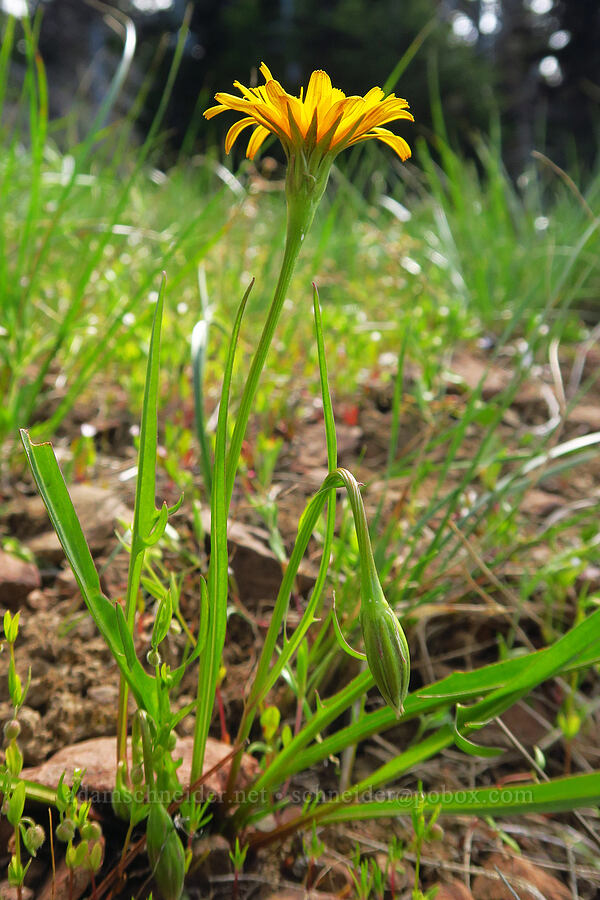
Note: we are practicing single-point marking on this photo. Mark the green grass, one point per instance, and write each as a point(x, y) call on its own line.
point(86, 233)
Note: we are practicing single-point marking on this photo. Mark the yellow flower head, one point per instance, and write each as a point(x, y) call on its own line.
point(320, 123)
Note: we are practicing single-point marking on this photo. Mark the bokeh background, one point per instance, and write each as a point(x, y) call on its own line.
point(534, 65)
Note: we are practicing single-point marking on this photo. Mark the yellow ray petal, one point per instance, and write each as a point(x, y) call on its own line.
point(234, 131)
point(233, 102)
point(214, 111)
point(382, 114)
point(349, 108)
point(266, 72)
point(248, 93)
point(375, 95)
point(388, 137)
point(258, 136)
point(318, 92)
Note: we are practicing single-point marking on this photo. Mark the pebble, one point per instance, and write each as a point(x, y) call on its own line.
point(17, 579)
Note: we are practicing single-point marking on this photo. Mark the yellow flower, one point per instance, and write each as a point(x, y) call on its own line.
point(320, 123)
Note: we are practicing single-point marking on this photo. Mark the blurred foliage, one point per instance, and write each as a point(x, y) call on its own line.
point(536, 64)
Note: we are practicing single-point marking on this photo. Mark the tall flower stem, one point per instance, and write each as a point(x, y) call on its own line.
point(292, 248)
point(303, 197)
point(302, 201)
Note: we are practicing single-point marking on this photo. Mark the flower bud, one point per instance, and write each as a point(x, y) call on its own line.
point(153, 657)
point(65, 831)
point(121, 796)
point(436, 832)
point(137, 776)
point(95, 857)
point(16, 872)
point(165, 852)
point(385, 644)
point(33, 838)
point(387, 651)
point(91, 831)
point(12, 730)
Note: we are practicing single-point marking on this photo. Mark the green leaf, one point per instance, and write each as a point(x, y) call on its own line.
point(55, 495)
point(146, 526)
point(199, 349)
point(558, 795)
point(302, 752)
point(16, 804)
point(162, 622)
point(218, 568)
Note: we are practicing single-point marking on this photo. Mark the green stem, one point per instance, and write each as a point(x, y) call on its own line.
point(17, 833)
point(136, 561)
point(292, 248)
point(303, 192)
point(216, 626)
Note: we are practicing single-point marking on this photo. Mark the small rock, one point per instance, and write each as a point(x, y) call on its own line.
point(211, 856)
point(104, 694)
point(257, 570)
point(97, 757)
point(454, 890)
point(9, 892)
point(59, 885)
point(98, 509)
point(540, 503)
point(17, 579)
point(520, 874)
point(37, 600)
point(66, 583)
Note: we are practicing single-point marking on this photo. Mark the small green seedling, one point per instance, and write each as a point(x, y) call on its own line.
point(26, 832)
point(238, 858)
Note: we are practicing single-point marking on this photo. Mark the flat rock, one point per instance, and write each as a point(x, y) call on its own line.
point(257, 570)
point(99, 511)
point(59, 885)
point(475, 371)
point(17, 579)
point(454, 890)
point(98, 757)
point(9, 892)
point(526, 880)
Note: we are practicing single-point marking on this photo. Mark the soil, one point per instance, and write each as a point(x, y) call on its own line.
point(74, 681)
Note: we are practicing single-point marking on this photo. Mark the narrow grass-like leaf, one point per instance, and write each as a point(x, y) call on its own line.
point(55, 495)
point(199, 347)
point(148, 522)
point(558, 795)
point(210, 659)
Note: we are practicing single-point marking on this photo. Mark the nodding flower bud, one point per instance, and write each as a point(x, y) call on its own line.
point(386, 647)
point(385, 644)
point(34, 837)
